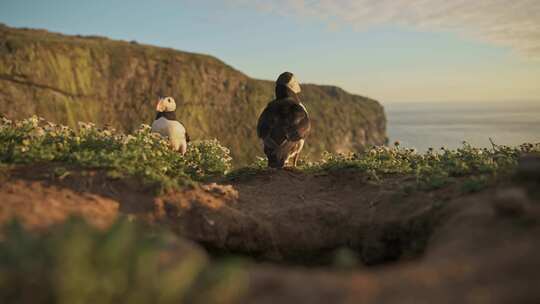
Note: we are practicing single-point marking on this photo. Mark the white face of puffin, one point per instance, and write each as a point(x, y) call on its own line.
point(166, 104)
point(294, 85)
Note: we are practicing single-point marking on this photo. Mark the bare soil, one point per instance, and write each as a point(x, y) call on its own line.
point(316, 237)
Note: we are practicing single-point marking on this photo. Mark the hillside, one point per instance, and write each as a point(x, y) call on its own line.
point(67, 79)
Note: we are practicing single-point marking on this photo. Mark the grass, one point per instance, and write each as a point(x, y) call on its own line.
point(148, 156)
point(123, 264)
point(432, 170)
point(142, 154)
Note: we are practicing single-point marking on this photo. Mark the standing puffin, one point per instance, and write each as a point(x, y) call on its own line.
point(167, 125)
point(284, 123)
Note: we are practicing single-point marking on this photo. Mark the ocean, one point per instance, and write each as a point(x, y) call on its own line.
point(425, 125)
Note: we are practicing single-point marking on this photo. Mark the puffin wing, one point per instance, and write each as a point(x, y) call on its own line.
point(266, 121)
point(174, 130)
point(178, 136)
point(283, 119)
point(299, 123)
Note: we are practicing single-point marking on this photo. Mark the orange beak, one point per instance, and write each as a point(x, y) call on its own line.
point(160, 107)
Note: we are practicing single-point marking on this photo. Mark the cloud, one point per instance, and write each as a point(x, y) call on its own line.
point(514, 24)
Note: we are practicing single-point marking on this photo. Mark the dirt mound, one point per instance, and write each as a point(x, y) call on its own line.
point(452, 247)
point(303, 218)
point(39, 206)
point(44, 195)
point(482, 252)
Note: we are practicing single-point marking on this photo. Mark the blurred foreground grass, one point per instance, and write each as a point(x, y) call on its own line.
point(75, 263)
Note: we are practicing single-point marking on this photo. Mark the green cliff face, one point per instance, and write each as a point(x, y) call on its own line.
point(68, 79)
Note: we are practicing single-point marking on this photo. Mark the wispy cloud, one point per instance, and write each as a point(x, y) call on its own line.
point(514, 24)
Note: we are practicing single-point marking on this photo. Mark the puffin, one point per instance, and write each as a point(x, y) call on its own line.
point(166, 124)
point(284, 124)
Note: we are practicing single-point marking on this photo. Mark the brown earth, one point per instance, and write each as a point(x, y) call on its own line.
point(485, 250)
point(445, 246)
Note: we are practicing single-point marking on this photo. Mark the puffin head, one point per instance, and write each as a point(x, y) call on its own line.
point(166, 104)
point(287, 85)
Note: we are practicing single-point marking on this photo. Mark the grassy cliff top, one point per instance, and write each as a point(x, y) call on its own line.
point(67, 79)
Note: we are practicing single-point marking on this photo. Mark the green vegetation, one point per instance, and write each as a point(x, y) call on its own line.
point(142, 154)
point(433, 169)
point(124, 264)
point(147, 155)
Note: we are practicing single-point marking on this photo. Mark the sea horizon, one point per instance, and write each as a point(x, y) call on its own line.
point(424, 125)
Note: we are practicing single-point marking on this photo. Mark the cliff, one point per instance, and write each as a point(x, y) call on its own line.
point(72, 78)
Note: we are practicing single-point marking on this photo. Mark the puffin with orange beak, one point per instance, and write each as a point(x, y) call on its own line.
point(167, 125)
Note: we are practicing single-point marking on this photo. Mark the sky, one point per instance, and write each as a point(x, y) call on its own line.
point(389, 50)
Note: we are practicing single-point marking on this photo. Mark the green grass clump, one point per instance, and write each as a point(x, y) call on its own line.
point(258, 166)
point(474, 184)
point(75, 263)
point(143, 153)
point(432, 169)
point(207, 158)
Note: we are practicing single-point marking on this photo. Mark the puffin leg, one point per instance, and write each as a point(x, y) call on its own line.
point(295, 159)
point(297, 154)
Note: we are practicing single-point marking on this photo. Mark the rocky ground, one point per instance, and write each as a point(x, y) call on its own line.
point(332, 237)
